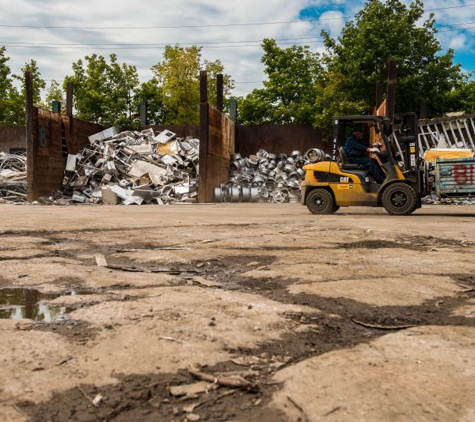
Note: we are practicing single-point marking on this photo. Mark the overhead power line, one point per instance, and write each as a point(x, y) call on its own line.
point(122, 28)
point(169, 27)
point(47, 44)
point(142, 46)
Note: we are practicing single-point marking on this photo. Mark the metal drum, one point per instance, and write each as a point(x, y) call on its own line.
point(235, 194)
point(246, 194)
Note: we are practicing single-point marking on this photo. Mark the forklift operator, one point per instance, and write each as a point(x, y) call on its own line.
point(356, 150)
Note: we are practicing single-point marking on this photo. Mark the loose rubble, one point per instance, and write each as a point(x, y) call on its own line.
point(266, 177)
point(433, 199)
point(132, 167)
point(13, 187)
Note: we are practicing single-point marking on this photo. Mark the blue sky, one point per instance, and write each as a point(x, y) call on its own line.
point(56, 33)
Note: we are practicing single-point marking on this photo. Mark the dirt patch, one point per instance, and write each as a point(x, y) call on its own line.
point(409, 242)
point(301, 308)
point(149, 397)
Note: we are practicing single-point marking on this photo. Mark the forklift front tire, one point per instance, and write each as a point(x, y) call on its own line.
point(399, 199)
point(320, 201)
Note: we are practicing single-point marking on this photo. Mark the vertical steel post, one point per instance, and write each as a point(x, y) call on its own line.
point(379, 95)
point(391, 99)
point(233, 104)
point(219, 92)
point(69, 111)
point(204, 139)
point(144, 113)
point(69, 100)
point(31, 144)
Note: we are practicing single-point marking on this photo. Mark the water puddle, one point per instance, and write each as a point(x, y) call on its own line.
point(16, 303)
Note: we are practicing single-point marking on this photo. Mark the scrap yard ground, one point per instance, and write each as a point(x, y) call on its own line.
point(237, 312)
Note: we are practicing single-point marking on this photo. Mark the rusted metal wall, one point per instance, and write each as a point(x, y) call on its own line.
point(217, 143)
point(50, 138)
point(278, 139)
point(12, 138)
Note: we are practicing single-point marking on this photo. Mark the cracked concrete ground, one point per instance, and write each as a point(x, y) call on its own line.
point(355, 316)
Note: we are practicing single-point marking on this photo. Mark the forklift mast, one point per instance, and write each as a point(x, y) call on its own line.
point(408, 141)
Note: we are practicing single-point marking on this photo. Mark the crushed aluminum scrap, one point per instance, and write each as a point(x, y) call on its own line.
point(266, 177)
point(133, 167)
point(13, 187)
point(433, 199)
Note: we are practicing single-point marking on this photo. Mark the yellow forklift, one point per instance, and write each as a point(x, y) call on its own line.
point(337, 182)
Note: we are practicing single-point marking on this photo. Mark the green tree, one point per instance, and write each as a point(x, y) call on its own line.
point(12, 111)
point(151, 92)
point(104, 91)
point(381, 31)
point(38, 83)
point(293, 85)
point(178, 79)
point(54, 93)
point(462, 98)
point(213, 69)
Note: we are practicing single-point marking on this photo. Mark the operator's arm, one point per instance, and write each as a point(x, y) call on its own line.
point(353, 145)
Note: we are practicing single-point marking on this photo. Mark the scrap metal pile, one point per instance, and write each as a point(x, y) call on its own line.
point(266, 177)
point(133, 167)
point(13, 186)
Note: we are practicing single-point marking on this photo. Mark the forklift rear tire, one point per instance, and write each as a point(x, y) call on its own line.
point(320, 201)
point(399, 199)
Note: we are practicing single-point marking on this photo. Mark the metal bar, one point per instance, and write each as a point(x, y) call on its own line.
point(390, 101)
point(379, 95)
point(219, 91)
point(454, 135)
point(473, 131)
point(31, 146)
point(69, 99)
point(204, 139)
point(457, 122)
point(143, 113)
point(203, 86)
point(447, 137)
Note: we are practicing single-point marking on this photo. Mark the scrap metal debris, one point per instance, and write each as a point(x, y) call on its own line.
point(266, 177)
point(13, 187)
point(133, 167)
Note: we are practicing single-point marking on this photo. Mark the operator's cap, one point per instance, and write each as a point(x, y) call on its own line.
point(358, 128)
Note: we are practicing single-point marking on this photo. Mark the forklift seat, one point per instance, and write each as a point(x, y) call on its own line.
point(346, 163)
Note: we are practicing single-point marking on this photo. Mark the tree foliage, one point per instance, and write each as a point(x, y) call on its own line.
point(54, 93)
point(177, 78)
point(12, 101)
point(381, 31)
point(151, 92)
point(462, 98)
point(302, 87)
point(12, 111)
point(103, 91)
point(38, 83)
point(292, 87)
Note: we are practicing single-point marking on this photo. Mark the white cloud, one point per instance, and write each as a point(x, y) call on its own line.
point(458, 42)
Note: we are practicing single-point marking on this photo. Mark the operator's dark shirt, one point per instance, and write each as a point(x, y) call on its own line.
point(356, 150)
point(355, 147)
